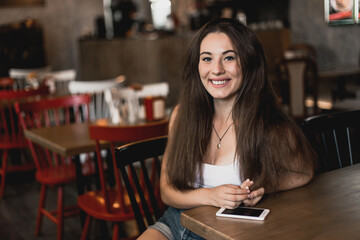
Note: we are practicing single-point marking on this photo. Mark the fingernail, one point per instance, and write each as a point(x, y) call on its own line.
point(246, 187)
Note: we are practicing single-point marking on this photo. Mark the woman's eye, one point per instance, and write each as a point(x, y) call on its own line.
point(206, 59)
point(229, 58)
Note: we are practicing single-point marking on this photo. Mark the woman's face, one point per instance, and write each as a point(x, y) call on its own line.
point(219, 67)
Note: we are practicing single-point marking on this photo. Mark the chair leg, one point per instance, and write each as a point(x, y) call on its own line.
point(41, 207)
point(60, 213)
point(115, 231)
point(85, 231)
point(3, 173)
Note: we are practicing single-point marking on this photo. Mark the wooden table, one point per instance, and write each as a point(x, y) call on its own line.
point(69, 141)
point(326, 208)
point(341, 73)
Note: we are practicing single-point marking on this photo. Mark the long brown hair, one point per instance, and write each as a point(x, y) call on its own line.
point(269, 143)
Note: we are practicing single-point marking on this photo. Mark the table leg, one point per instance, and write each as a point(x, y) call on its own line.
point(79, 175)
point(80, 184)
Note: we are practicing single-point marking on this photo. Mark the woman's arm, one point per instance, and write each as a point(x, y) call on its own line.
point(288, 181)
point(293, 179)
point(229, 196)
point(298, 171)
point(294, 173)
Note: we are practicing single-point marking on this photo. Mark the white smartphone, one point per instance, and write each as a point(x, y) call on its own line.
point(244, 213)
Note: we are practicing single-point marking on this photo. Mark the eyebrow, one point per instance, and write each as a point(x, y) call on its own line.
point(226, 52)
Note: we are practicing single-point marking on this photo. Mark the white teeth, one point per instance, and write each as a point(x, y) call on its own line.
point(218, 82)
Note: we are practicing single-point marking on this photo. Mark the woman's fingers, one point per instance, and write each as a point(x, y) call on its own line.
point(230, 204)
point(233, 195)
point(236, 190)
point(257, 193)
point(246, 184)
point(230, 196)
point(254, 197)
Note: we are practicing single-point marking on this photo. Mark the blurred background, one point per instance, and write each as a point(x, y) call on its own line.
point(146, 39)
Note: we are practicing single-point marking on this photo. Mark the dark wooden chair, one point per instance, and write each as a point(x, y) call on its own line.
point(335, 137)
point(111, 203)
point(13, 145)
point(303, 50)
point(143, 190)
point(298, 81)
point(53, 170)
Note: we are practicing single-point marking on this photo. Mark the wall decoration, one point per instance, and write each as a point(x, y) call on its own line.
point(338, 12)
point(357, 13)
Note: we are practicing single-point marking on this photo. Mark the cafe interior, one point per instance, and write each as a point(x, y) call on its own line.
point(86, 84)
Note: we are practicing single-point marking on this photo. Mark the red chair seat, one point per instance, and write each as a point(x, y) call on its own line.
point(94, 205)
point(57, 175)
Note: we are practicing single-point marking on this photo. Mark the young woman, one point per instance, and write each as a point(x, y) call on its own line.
point(229, 141)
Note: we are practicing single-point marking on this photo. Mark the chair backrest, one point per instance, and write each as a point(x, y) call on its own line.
point(6, 83)
point(98, 107)
point(59, 81)
point(141, 186)
point(302, 50)
point(48, 112)
point(115, 136)
point(299, 80)
point(21, 75)
point(335, 137)
point(10, 129)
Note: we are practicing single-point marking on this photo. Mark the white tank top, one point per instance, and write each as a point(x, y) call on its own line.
point(216, 175)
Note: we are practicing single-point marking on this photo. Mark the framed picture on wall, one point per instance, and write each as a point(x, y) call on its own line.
point(21, 3)
point(339, 12)
point(357, 13)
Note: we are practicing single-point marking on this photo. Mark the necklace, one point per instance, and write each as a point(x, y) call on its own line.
point(220, 138)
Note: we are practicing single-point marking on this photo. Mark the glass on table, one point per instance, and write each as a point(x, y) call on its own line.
point(125, 106)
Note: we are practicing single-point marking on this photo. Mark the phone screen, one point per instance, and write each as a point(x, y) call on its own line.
point(244, 211)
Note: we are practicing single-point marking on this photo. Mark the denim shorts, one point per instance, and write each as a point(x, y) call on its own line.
point(169, 225)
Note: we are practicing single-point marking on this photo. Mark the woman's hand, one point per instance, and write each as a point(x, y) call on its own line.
point(254, 196)
point(228, 196)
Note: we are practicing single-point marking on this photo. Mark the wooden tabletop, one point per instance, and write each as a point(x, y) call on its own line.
point(73, 139)
point(327, 208)
point(67, 140)
point(340, 71)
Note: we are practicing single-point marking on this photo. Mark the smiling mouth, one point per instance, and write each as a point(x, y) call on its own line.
point(219, 82)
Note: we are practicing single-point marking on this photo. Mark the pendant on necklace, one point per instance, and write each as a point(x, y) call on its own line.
point(218, 146)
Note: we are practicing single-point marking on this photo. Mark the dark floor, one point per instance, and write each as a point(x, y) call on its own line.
point(18, 210)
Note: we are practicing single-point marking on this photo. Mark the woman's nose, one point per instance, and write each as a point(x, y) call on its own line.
point(218, 67)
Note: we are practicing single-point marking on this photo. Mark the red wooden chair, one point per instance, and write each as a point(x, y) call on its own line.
point(11, 134)
point(111, 203)
point(6, 83)
point(53, 170)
